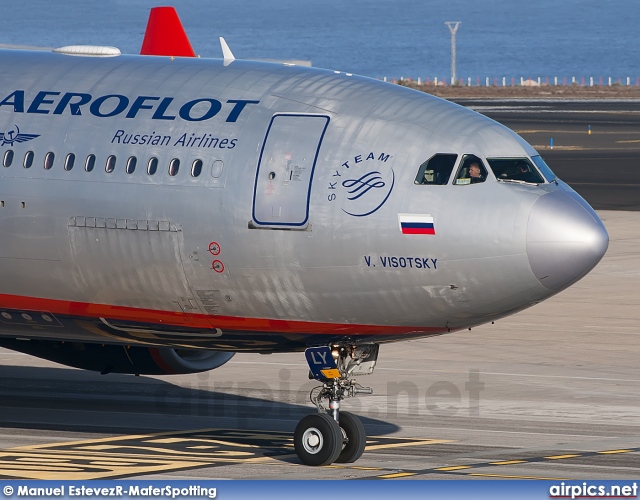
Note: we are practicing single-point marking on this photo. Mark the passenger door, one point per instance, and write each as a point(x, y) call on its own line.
point(285, 170)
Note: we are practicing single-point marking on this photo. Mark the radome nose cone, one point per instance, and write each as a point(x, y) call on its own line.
point(565, 239)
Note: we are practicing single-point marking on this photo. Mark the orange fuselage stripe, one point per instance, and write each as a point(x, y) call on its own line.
point(175, 318)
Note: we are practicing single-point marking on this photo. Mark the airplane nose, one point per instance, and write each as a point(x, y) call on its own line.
point(565, 239)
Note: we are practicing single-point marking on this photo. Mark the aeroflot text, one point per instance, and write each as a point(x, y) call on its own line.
point(119, 491)
point(157, 108)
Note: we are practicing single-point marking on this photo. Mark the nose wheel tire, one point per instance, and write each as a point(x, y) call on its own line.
point(318, 439)
point(355, 435)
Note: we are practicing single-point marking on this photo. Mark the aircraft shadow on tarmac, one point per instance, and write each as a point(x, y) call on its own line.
point(77, 401)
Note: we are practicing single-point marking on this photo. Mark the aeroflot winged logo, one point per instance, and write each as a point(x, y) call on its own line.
point(363, 184)
point(12, 136)
point(104, 106)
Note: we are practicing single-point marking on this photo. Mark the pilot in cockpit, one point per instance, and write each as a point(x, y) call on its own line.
point(523, 173)
point(475, 173)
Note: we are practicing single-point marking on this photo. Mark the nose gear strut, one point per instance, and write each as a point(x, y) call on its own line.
point(330, 435)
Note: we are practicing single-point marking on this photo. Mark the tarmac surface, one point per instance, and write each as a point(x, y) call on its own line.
point(551, 392)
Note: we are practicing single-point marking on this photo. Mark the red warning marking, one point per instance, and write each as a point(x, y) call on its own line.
point(217, 266)
point(214, 248)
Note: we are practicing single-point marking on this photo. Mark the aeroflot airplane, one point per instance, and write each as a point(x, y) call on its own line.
point(159, 214)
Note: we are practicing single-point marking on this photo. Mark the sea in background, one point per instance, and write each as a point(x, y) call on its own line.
point(376, 38)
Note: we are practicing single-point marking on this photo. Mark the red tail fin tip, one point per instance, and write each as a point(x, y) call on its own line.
point(165, 35)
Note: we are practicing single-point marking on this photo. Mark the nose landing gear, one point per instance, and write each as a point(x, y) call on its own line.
point(330, 435)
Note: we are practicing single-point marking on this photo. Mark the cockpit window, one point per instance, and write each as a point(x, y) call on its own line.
point(437, 169)
point(471, 171)
point(544, 168)
point(515, 170)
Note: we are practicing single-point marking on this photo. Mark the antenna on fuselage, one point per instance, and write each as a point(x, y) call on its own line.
point(227, 55)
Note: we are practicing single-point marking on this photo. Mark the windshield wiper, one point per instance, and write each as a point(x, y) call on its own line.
point(516, 181)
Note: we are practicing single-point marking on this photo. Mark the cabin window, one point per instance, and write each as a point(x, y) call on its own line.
point(110, 166)
point(519, 170)
point(69, 161)
point(196, 168)
point(48, 160)
point(90, 163)
point(174, 166)
point(471, 171)
point(8, 158)
point(437, 169)
point(131, 164)
point(152, 166)
point(28, 159)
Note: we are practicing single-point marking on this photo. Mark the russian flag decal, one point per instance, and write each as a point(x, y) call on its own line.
point(416, 224)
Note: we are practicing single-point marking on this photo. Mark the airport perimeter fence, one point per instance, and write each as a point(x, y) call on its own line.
point(524, 82)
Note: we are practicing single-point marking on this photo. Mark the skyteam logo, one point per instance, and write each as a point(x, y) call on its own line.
point(10, 137)
point(362, 185)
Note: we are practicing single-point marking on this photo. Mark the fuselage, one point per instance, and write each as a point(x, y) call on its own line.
point(262, 207)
